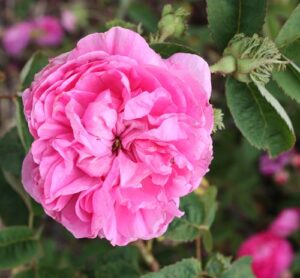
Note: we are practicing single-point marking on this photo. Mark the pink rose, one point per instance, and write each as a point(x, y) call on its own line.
point(286, 223)
point(120, 134)
point(48, 31)
point(272, 255)
point(17, 37)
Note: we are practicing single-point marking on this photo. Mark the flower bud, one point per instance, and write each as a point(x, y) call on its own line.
point(167, 9)
point(172, 23)
point(249, 59)
point(256, 57)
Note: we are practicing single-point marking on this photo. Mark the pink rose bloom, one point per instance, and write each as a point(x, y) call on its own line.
point(286, 223)
point(48, 31)
point(271, 254)
point(69, 20)
point(17, 37)
point(120, 134)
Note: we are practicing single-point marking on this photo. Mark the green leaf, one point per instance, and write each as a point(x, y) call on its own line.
point(292, 52)
point(260, 117)
point(295, 268)
point(187, 268)
point(22, 126)
point(240, 268)
point(119, 262)
point(11, 152)
point(142, 13)
point(166, 49)
point(54, 272)
point(229, 17)
point(12, 209)
point(289, 81)
point(217, 264)
point(18, 245)
point(190, 225)
point(17, 186)
point(289, 33)
point(12, 155)
point(288, 38)
point(46, 272)
point(207, 240)
point(92, 252)
point(209, 199)
point(34, 65)
point(29, 273)
point(22, 8)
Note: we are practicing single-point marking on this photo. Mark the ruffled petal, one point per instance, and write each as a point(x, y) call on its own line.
point(118, 41)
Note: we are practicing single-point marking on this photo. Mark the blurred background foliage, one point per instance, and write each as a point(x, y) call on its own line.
point(248, 200)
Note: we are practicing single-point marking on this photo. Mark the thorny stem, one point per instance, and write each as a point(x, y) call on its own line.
point(150, 245)
point(198, 249)
point(147, 255)
point(30, 219)
point(11, 97)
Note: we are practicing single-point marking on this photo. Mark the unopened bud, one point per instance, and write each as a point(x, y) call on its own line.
point(256, 57)
point(172, 23)
point(250, 59)
point(167, 9)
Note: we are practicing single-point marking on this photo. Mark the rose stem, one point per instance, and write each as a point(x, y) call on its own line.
point(147, 255)
point(198, 249)
point(8, 97)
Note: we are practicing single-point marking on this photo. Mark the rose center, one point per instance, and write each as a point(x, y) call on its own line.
point(117, 145)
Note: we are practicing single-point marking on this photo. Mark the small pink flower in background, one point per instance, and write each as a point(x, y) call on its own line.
point(120, 134)
point(281, 177)
point(296, 161)
point(17, 37)
point(69, 20)
point(286, 223)
point(272, 255)
point(270, 166)
point(48, 31)
point(45, 31)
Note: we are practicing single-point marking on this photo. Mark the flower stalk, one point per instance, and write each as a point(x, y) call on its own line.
point(198, 249)
point(147, 256)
